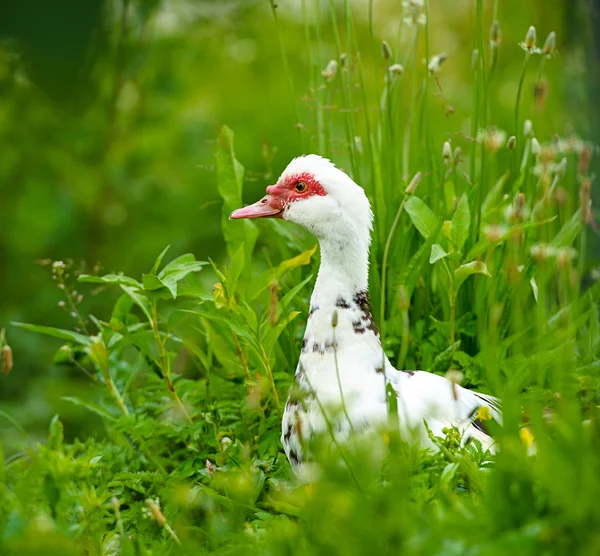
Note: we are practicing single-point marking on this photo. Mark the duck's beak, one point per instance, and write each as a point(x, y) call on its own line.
point(267, 207)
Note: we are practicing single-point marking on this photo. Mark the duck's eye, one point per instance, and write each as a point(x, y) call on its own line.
point(300, 187)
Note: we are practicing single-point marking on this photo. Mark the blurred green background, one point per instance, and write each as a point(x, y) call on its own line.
point(109, 112)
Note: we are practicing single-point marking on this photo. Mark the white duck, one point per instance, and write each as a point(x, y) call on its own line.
point(315, 194)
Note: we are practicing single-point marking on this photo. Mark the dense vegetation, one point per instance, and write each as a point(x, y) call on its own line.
point(483, 269)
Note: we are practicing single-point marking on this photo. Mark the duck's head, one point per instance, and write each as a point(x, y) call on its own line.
point(315, 194)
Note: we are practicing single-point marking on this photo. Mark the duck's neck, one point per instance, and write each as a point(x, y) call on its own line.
point(344, 269)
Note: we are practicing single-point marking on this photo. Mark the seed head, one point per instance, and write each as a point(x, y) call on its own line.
point(529, 42)
point(456, 155)
point(343, 59)
point(527, 129)
point(435, 62)
point(403, 299)
point(586, 203)
point(7, 359)
point(495, 233)
point(561, 168)
point(395, 70)
point(334, 319)
point(585, 157)
point(549, 45)
point(358, 144)
point(495, 35)
point(386, 51)
point(511, 143)
point(535, 147)
point(154, 509)
point(330, 71)
point(412, 186)
point(475, 60)
point(447, 151)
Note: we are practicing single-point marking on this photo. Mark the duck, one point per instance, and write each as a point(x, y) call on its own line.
point(342, 363)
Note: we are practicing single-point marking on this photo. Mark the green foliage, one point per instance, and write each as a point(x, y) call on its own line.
point(481, 270)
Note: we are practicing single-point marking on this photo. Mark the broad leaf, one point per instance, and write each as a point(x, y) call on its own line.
point(461, 221)
point(437, 253)
point(466, 270)
point(422, 217)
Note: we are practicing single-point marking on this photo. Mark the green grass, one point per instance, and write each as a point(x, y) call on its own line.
point(478, 267)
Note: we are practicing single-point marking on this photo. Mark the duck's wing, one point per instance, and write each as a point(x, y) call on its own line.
point(443, 404)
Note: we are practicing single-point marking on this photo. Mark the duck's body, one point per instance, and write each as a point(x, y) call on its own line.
point(343, 370)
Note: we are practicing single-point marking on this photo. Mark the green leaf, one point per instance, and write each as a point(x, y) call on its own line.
point(159, 260)
point(56, 435)
point(422, 217)
point(119, 279)
point(234, 270)
point(465, 270)
point(567, 234)
point(139, 300)
point(442, 362)
point(437, 253)
point(461, 221)
point(494, 194)
point(230, 177)
point(56, 332)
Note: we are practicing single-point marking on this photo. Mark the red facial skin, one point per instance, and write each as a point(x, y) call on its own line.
point(280, 195)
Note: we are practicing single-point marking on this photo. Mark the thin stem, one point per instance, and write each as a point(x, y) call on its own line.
point(164, 362)
point(386, 252)
point(339, 380)
point(271, 379)
point(521, 81)
point(332, 433)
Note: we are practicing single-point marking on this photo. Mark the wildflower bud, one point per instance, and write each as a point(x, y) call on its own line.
point(447, 151)
point(565, 256)
point(386, 51)
point(511, 143)
point(527, 128)
point(456, 155)
point(155, 511)
point(549, 45)
point(535, 147)
point(330, 71)
point(334, 319)
point(358, 145)
point(343, 59)
point(530, 38)
point(412, 186)
point(395, 69)
point(74, 314)
point(495, 35)
point(455, 376)
point(585, 157)
point(494, 233)
point(403, 299)
point(436, 61)
point(61, 304)
point(561, 168)
point(79, 298)
point(542, 252)
point(584, 197)
point(7, 359)
point(475, 60)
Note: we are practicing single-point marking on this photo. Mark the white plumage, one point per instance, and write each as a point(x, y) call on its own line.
point(313, 193)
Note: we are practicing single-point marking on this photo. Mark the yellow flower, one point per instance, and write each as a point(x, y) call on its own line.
point(483, 413)
point(526, 437)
